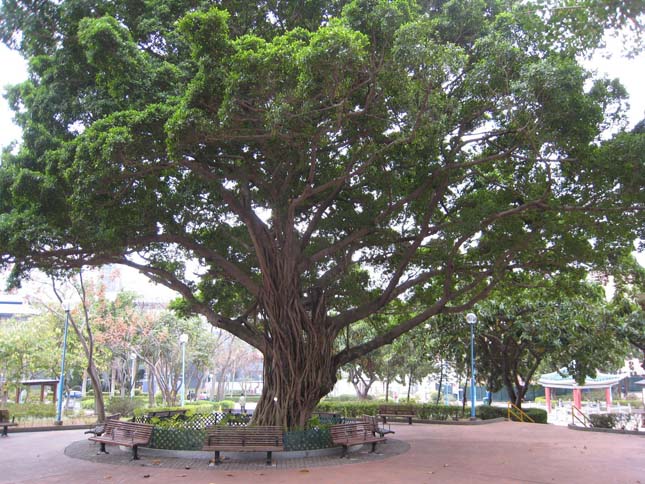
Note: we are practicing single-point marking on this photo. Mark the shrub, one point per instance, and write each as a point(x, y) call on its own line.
point(623, 421)
point(225, 404)
point(31, 410)
point(489, 412)
point(537, 414)
point(440, 412)
point(349, 408)
point(124, 406)
point(633, 402)
point(603, 420)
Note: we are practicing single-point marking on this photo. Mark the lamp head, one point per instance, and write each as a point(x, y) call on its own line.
point(183, 338)
point(471, 318)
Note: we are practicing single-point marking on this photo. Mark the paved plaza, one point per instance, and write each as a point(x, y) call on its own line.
point(502, 452)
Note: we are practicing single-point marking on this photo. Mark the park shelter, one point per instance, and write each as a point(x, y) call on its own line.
point(42, 383)
point(562, 379)
point(642, 383)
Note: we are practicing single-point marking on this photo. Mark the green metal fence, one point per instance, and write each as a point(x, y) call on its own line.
point(189, 433)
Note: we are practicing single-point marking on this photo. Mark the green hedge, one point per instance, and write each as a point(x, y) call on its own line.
point(23, 410)
point(489, 412)
point(356, 409)
point(624, 421)
point(426, 411)
point(486, 412)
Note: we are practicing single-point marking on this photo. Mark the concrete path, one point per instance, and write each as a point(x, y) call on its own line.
point(497, 453)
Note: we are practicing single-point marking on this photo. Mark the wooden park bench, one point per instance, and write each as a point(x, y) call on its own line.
point(128, 434)
point(6, 422)
point(354, 434)
point(372, 422)
point(244, 439)
point(401, 411)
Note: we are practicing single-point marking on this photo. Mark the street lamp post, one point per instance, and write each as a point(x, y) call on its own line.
point(183, 339)
point(472, 319)
point(61, 381)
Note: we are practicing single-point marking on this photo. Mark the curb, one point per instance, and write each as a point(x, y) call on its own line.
point(18, 429)
point(607, 431)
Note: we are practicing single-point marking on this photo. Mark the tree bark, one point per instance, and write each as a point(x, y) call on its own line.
point(299, 365)
point(151, 386)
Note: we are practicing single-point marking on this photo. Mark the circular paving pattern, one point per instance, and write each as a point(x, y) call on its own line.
point(86, 450)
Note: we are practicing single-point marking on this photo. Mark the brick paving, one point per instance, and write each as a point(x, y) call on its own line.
point(499, 453)
point(86, 450)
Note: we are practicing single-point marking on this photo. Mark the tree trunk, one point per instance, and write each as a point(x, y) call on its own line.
point(113, 379)
point(299, 368)
point(291, 392)
point(409, 386)
point(465, 397)
point(151, 387)
point(387, 390)
point(84, 383)
point(99, 403)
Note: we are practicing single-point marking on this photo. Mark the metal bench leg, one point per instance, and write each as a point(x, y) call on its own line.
point(269, 454)
point(344, 452)
point(102, 449)
point(135, 452)
point(217, 461)
point(373, 447)
point(410, 420)
point(4, 431)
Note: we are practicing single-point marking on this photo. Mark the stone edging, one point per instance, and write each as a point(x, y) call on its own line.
point(462, 422)
point(18, 428)
point(49, 428)
point(607, 431)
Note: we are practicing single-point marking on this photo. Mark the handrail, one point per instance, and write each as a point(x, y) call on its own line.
point(517, 412)
point(582, 418)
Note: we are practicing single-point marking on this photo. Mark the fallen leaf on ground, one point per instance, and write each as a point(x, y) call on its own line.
point(304, 470)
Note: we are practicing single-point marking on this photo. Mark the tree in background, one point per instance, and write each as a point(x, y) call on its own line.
point(542, 325)
point(32, 349)
point(438, 146)
point(628, 302)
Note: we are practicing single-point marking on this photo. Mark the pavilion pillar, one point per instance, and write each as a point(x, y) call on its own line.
point(42, 393)
point(577, 398)
point(547, 396)
point(608, 398)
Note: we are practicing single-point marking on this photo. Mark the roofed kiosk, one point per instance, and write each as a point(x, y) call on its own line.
point(562, 379)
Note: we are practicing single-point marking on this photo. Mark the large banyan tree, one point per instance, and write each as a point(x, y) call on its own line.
point(294, 167)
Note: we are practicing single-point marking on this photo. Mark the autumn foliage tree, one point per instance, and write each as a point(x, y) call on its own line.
point(278, 146)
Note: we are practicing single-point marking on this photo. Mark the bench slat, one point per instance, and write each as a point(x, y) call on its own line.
point(405, 411)
point(353, 434)
point(128, 434)
point(244, 439)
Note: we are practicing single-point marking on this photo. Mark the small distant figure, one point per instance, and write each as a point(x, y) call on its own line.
point(242, 402)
